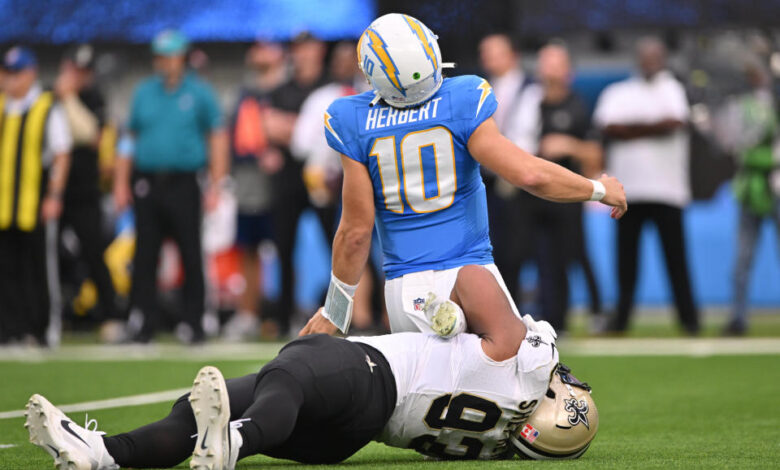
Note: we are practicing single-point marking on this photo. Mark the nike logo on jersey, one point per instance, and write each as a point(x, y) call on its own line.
point(66, 425)
point(386, 116)
point(371, 365)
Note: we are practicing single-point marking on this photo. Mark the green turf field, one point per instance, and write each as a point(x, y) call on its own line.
point(673, 411)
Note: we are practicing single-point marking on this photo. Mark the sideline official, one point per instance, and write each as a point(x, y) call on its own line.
point(173, 116)
point(34, 157)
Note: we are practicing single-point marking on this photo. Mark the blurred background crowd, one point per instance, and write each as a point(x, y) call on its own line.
point(163, 166)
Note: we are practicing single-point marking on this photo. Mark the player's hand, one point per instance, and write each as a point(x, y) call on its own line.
point(318, 324)
point(51, 208)
point(615, 197)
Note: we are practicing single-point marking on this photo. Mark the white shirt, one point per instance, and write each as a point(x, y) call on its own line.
point(652, 169)
point(308, 142)
point(517, 114)
point(452, 394)
point(57, 138)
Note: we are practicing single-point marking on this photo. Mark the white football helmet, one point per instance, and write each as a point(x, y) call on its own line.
point(401, 60)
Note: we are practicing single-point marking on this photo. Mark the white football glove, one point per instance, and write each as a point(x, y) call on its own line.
point(540, 326)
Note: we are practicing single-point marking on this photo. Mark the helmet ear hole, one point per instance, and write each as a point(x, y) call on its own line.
point(550, 393)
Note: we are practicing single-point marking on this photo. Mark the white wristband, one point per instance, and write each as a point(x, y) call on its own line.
point(599, 191)
point(338, 303)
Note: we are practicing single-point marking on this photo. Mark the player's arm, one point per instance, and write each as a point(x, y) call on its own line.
point(538, 176)
point(352, 242)
point(638, 131)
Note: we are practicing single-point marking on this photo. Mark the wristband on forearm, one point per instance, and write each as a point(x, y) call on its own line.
point(599, 191)
point(339, 302)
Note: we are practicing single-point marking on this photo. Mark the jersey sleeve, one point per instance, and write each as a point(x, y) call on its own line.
point(337, 133)
point(479, 103)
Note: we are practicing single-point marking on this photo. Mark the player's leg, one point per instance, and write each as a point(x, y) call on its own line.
point(167, 442)
point(488, 310)
point(319, 401)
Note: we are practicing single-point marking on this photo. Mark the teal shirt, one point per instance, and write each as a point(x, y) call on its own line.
point(171, 127)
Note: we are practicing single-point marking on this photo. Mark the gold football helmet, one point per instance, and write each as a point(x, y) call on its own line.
point(564, 423)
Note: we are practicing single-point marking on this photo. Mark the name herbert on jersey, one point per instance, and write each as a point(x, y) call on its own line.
point(386, 116)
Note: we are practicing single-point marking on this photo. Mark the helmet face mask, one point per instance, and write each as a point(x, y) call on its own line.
point(400, 58)
point(564, 423)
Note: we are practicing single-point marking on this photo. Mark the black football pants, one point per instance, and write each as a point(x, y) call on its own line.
point(318, 402)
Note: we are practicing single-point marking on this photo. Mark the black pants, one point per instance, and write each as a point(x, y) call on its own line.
point(167, 205)
point(318, 402)
point(25, 299)
point(85, 218)
point(668, 220)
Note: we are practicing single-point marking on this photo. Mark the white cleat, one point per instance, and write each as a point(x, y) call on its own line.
point(72, 446)
point(445, 316)
point(211, 407)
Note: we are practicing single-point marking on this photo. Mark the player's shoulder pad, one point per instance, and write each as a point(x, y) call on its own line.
point(473, 95)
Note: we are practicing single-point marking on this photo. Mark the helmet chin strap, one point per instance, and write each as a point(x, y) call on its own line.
point(376, 99)
point(448, 65)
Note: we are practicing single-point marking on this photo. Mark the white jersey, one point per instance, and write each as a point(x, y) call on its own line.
point(453, 400)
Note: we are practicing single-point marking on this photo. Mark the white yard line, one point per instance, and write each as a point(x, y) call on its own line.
point(266, 351)
point(121, 402)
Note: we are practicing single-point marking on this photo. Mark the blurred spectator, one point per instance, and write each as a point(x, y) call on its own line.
point(84, 108)
point(290, 196)
point(644, 120)
point(754, 125)
point(556, 230)
point(34, 158)
point(322, 172)
point(253, 161)
point(517, 116)
point(173, 115)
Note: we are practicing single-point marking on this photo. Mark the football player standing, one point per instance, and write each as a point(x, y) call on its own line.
point(411, 150)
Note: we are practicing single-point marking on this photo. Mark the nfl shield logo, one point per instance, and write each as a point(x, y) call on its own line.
point(529, 433)
point(419, 303)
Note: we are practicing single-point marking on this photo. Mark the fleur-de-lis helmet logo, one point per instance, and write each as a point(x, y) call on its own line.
point(578, 410)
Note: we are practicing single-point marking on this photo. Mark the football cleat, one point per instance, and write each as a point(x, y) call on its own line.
point(73, 447)
point(218, 442)
point(446, 317)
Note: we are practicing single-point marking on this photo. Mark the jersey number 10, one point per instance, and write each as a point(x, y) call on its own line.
point(414, 183)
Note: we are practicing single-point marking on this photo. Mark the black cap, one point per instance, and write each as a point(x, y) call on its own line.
point(82, 56)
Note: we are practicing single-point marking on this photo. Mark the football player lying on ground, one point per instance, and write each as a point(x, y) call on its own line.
point(411, 152)
point(323, 398)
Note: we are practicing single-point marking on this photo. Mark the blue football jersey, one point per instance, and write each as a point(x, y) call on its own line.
point(431, 210)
